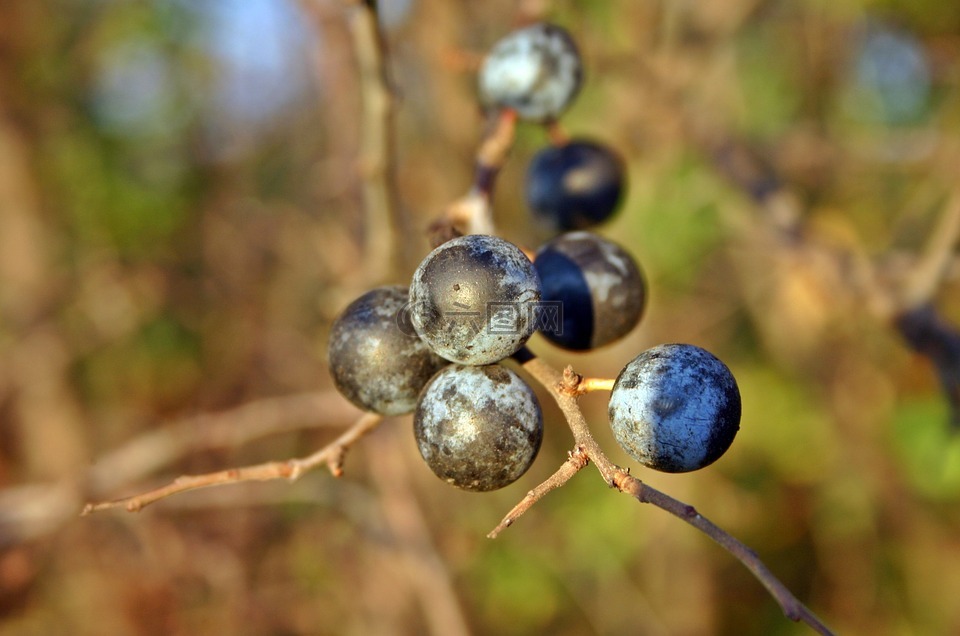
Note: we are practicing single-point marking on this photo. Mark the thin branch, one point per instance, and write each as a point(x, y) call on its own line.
point(292, 469)
point(472, 213)
point(928, 273)
point(230, 428)
point(790, 604)
point(576, 460)
point(376, 138)
point(33, 510)
point(557, 135)
point(563, 387)
point(495, 148)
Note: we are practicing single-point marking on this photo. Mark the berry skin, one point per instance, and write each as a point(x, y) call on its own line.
point(536, 71)
point(574, 186)
point(675, 408)
point(374, 363)
point(600, 287)
point(478, 428)
point(474, 300)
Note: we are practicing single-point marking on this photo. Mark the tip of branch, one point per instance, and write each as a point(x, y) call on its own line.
point(506, 523)
point(334, 463)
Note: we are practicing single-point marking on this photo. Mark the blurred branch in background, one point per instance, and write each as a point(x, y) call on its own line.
point(904, 298)
point(34, 377)
point(374, 165)
point(32, 511)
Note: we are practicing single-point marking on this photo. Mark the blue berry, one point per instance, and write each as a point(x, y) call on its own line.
point(374, 363)
point(598, 285)
point(535, 71)
point(474, 300)
point(675, 408)
point(478, 428)
point(574, 186)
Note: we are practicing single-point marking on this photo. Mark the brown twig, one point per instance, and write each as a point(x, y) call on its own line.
point(928, 272)
point(35, 510)
point(230, 428)
point(471, 213)
point(495, 148)
point(563, 389)
point(576, 460)
point(376, 137)
point(332, 455)
point(557, 134)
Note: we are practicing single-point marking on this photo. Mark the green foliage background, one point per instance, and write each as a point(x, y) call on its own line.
point(191, 260)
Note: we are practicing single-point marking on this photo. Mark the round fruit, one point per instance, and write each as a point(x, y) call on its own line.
point(478, 428)
point(374, 363)
point(475, 299)
point(592, 287)
point(675, 408)
point(535, 71)
point(574, 186)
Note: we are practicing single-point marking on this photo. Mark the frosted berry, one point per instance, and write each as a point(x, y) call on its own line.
point(474, 299)
point(574, 186)
point(598, 286)
point(478, 428)
point(374, 363)
point(675, 408)
point(535, 71)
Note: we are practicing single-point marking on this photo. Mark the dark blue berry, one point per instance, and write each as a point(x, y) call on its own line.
point(574, 186)
point(675, 408)
point(593, 286)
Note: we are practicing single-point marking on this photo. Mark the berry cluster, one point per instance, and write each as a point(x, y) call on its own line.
point(436, 349)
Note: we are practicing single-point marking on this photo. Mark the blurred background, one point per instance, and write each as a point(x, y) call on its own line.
point(182, 190)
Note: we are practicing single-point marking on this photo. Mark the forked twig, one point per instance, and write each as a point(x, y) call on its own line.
point(332, 455)
point(576, 460)
point(563, 387)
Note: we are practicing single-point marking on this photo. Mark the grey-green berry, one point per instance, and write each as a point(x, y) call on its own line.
point(374, 363)
point(474, 300)
point(478, 427)
point(536, 71)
